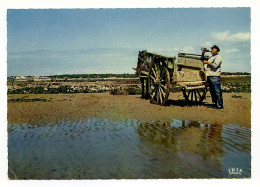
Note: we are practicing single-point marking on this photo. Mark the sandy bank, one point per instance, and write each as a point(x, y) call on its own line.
point(60, 107)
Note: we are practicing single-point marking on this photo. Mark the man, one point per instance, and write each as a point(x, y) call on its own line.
point(213, 71)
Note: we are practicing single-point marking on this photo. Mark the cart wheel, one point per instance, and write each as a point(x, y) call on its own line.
point(195, 96)
point(159, 83)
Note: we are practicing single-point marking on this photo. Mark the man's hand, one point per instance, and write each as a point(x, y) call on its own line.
point(206, 62)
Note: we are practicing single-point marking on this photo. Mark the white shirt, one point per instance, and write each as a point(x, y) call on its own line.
point(214, 69)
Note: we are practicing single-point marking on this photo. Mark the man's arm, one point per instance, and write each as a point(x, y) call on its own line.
point(215, 63)
point(202, 55)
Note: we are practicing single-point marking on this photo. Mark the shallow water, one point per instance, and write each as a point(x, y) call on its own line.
point(104, 149)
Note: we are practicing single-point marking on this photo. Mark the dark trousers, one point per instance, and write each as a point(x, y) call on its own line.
point(215, 90)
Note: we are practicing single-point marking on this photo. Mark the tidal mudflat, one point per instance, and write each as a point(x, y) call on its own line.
point(101, 136)
point(127, 149)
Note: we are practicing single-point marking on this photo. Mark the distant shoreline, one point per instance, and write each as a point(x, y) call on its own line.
point(111, 75)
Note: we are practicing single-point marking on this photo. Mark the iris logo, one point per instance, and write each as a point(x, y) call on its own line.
point(235, 171)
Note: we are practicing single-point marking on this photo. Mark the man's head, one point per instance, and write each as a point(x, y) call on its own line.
point(214, 49)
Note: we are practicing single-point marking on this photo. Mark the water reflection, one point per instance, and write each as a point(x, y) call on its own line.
point(104, 149)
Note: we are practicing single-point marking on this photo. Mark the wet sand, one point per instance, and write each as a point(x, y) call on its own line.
point(130, 149)
point(60, 107)
point(101, 136)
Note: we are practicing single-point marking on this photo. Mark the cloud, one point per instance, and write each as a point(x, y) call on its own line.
point(207, 44)
point(176, 49)
point(226, 36)
point(232, 50)
point(188, 49)
point(172, 51)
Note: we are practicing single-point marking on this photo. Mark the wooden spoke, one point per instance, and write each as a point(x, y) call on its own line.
point(153, 90)
point(189, 93)
point(159, 83)
point(196, 99)
point(156, 68)
point(152, 77)
point(158, 73)
point(163, 93)
point(191, 96)
point(195, 96)
point(162, 86)
point(198, 93)
point(153, 72)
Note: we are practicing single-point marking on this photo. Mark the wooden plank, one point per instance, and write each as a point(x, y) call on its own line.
point(188, 54)
point(190, 63)
point(195, 87)
point(193, 83)
point(190, 69)
point(195, 66)
point(145, 72)
point(181, 60)
point(191, 55)
point(186, 76)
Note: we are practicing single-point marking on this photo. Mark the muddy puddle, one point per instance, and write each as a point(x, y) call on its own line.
point(130, 149)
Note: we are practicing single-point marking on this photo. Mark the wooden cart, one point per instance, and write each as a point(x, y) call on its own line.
point(163, 73)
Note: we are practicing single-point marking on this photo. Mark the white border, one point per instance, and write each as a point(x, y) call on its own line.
point(255, 15)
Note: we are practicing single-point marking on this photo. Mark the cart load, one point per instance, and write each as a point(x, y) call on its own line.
point(163, 73)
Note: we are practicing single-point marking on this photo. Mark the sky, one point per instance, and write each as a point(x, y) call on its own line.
point(84, 41)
